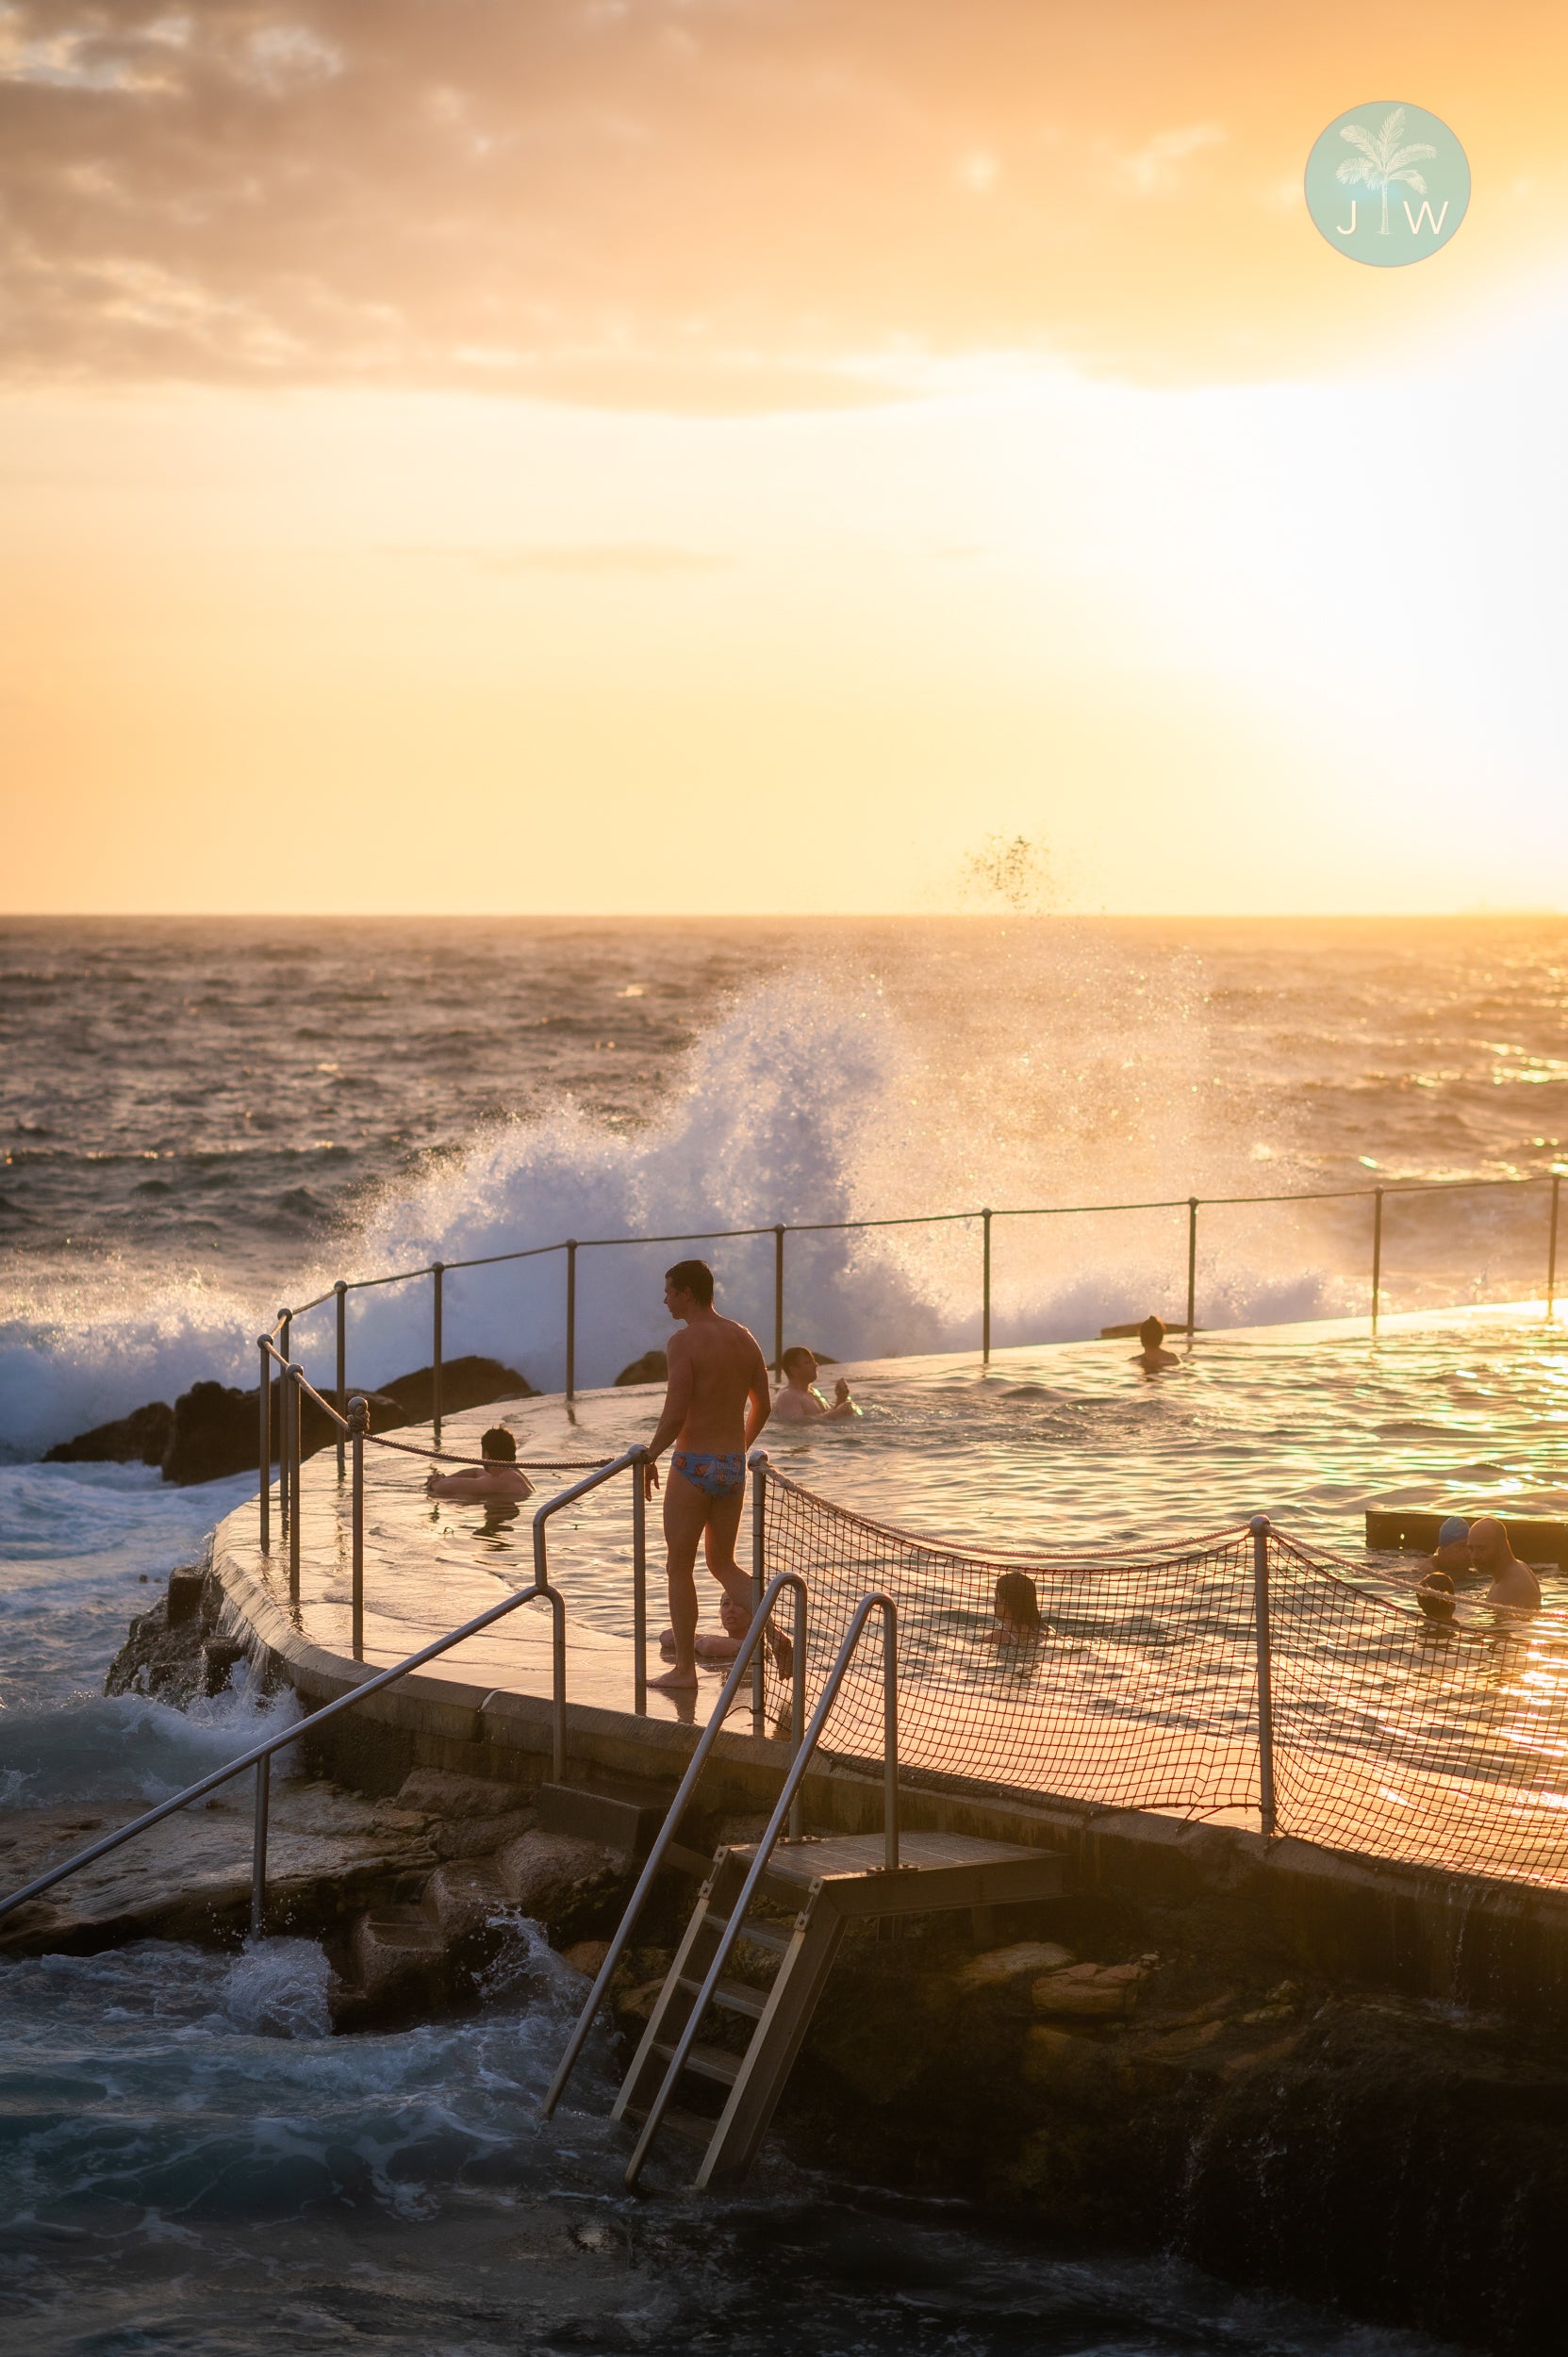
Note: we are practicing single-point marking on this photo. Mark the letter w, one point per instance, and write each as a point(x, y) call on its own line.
point(1415, 220)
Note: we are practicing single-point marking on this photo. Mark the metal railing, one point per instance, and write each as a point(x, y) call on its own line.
point(439, 1271)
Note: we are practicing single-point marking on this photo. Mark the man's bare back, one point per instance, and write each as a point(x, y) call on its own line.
point(715, 1365)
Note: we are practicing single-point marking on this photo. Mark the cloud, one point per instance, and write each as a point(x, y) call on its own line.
point(672, 204)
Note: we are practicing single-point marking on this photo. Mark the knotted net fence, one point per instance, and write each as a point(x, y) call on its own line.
point(1393, 1735)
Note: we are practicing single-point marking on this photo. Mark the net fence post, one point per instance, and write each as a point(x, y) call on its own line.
point(1267, 1811)
point(437, 1273)
point(1551, 1248)
point(360, 1419)
point(778, 1304)
point(639, 1582)
point(986, 1291)
point(890, 1735)
point(1191, 1266)
point(759, 1581)
point(339, 1400)
point(571, 1321)
point(265, 1443)
point(1377, 1252)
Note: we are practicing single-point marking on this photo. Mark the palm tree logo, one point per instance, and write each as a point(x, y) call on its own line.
point(1381, 163)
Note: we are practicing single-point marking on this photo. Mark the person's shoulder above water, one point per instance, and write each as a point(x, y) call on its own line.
point(799, 1401)
point(1514, 1585)
point(1151, 1354)
point(500, 1476)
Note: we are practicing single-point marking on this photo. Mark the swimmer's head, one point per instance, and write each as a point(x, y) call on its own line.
point(1454, 1532)
point(1017, 1601)
point(1151, 1333)
point(799, 1360)
point(499, 1445)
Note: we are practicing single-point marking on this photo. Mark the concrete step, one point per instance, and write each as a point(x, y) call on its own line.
point(621, 1816)
point(461, 1898)
point(392, 1945)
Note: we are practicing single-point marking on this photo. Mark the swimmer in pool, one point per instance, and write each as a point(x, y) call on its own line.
point(1151, 1354)
point(1447, 1564)
point(1514, 1585)
point(1018, 1608)
point(500, 1476)
point(800, 1402)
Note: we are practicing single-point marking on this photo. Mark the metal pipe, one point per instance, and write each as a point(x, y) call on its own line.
point(985, 1295)
point(258, 1846)
point(640, 1580)
point(340, 1289)
point(778, 1304)
point(873, 1602)
point(759, 1462)
point(668, 1831)
point(360, 1422)
point(890, 1733)
point(1266, 1809)
point(1377, 1252)
point(437, 1273)
point(1192, 1264)
point(571, 1320)
point(1551, 1248)
point(264, 1394)
point(797, 1701)
point(294, 1515)
point(284, 1501)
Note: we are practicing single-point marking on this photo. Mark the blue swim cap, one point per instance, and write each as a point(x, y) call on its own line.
point(1453, 1531)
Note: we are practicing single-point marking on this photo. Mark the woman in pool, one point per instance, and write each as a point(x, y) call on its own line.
point(1017, 1610)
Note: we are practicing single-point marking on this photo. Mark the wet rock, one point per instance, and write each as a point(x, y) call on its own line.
point(166, 1650)
point(1093, 1991)
point(215, 1427)
point(586, 1955)
point(471, 1815)
point(563, 1882)
point(652, 1367)
point(999, 1966)
point(139, 1438)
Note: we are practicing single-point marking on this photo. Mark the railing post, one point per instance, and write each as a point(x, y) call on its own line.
point(264, 1397)
point(359, 1424)
point(1377, 1252)
point(284, 1505)
point(890, 1735)
point(759, 1581)
point(294, 1516)
point(985, 1295)
point(1265, 1676)
point(340, 1289)
point(258, 1846)
point(1551, 1252)
point(1191, 1266)
point(639, 1581)
point(778, 1304)
point(571, 1321)
point(437, 1273)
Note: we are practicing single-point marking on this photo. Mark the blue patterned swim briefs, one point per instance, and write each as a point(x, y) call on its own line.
point(722, 1477)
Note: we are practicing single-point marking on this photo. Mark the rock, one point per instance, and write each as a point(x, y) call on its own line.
point(166, 1649)
point(397, 1948)
point(556, 1880)
point(637, 2004)
point(215, 1427)
point(139, 1438)
point(1091, 1991)
point(463, 1898)
point(999, 1966)
point(586, 1955)
point(652, 1367)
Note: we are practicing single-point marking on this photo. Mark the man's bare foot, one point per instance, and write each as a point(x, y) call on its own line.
point(676, 1682)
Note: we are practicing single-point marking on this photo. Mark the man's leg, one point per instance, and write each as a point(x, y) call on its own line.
point(719, 1542)
point(685, 1510)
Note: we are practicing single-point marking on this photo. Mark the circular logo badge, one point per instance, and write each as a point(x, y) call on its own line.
point(1387, 183)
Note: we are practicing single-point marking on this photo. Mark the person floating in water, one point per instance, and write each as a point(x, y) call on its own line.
point(1018, 1608)
point(500, 1476)
point(1151, 1355)
point(1513, 1583)
point(1448, 1562)
point(799, 1401)
point(715, 1405)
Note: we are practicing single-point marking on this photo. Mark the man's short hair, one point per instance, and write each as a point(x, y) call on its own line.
point(794, 1355)
point(694, 1278)
point(498, 1442)
point(1152, 1333)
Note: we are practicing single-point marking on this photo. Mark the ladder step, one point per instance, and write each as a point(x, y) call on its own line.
point(708, 2062)
point(734, 1996)
point(760, 1935)
point(689, 2125)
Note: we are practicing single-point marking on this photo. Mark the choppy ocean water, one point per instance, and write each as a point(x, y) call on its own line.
point(202, 1121)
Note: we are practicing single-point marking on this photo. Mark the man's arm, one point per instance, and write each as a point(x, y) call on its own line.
point(759, 1400)
point(677, 1399)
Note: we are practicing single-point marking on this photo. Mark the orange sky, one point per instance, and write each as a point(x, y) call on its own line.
point(666, 454)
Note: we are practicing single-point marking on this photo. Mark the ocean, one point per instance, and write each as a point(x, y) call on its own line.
point(202, 1121)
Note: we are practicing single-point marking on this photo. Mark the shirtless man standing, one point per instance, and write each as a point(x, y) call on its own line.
point(716, 1404)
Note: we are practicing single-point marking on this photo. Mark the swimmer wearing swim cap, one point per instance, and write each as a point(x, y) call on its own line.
point(1448, 1560)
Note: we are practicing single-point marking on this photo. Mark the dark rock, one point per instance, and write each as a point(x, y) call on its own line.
point(215, 1429)
point(652, 1367)
point(139, 1438)
point(185, 1594)
point(166, 1651)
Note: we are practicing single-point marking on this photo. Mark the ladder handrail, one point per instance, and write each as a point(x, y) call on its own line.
point(677, 1808)
point(331, 1711)
point(875, 1601)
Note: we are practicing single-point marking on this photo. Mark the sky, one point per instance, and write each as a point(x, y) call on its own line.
point(653, 456)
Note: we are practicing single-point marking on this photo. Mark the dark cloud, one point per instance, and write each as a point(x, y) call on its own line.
point(696, 204)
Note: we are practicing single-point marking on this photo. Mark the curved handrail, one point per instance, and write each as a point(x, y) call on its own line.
point(677, 1808)
point(875, 1601)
